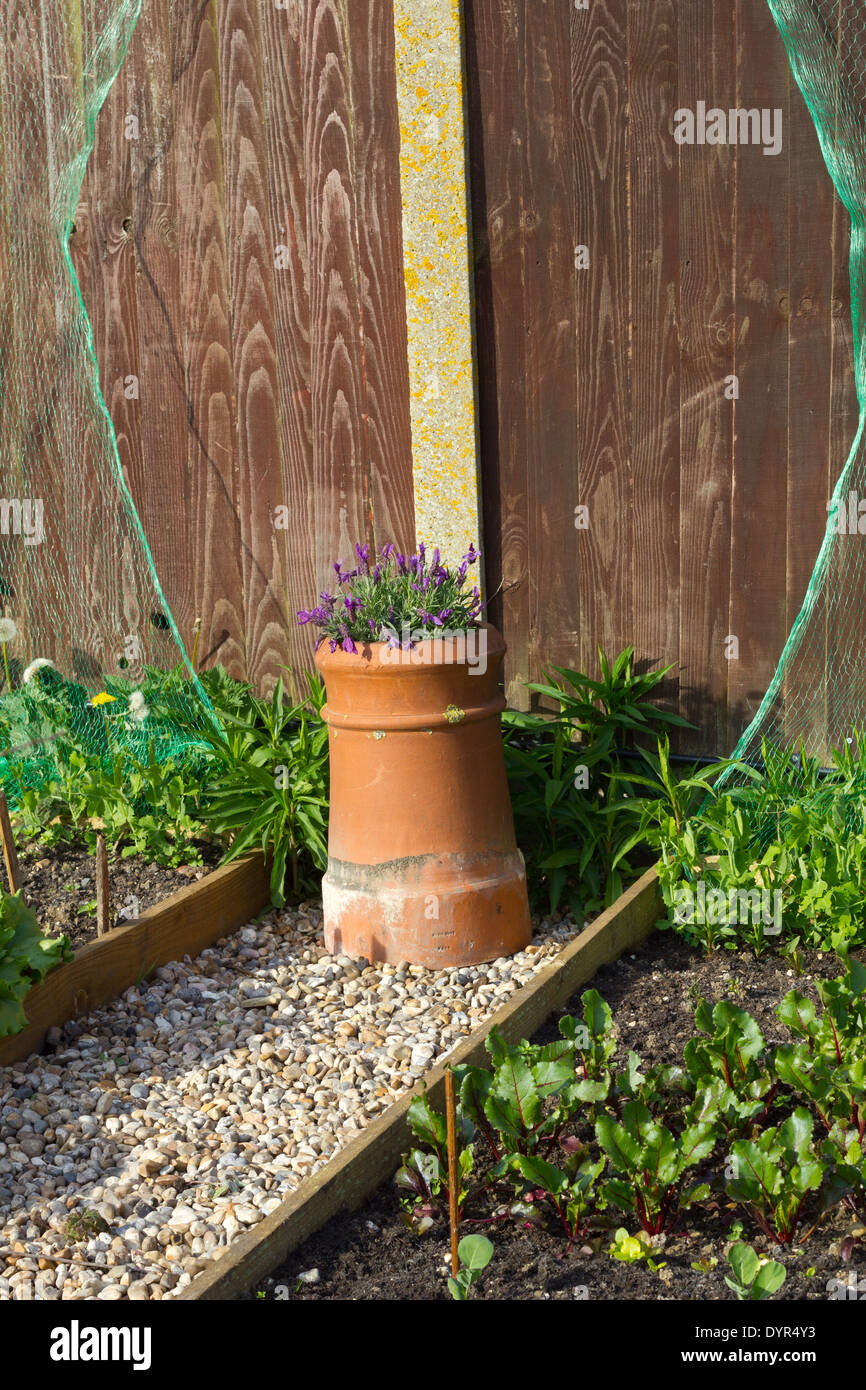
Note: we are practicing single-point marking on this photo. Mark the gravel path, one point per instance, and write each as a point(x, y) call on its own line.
point(165, 1123)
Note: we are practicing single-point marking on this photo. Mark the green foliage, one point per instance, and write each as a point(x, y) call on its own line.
point(727, 1064)
point(474, 1254)
point(775, 1172)
point(26, 956)
point(84, 1225)
point(148, 808)
point(794, 831)
point(258, 779)
point(649, 1163)
point(754, 1278)
point(569, 783)
point(566, 1137)
point(632, 1250)
point(270, 785)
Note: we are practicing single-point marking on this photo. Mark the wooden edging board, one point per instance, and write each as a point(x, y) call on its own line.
point(365, 1163)
point(184, 924)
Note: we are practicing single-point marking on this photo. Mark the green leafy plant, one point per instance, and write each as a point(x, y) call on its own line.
point(727, 1064)
point(632, 1250)
point(26, 956)
point(755, 1278)
point(572, 788)
point(570, 1189)
point(84, 1225)
point(475, 1254)
point(774, 1174)
point(649, 1163)
point(271, 787)
point(791, 831)
point(423, 1173)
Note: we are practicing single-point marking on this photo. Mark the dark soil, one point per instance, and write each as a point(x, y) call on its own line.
point(372, 1255)
point(59, 883)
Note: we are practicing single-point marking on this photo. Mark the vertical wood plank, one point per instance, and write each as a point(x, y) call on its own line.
point(603, 320)
point(497, 141)
point(706, 212)
point(159, 478)
point(655, 353)
point(550, 389)
point(285, 128)
point(376, 152)
point(762, 307)
point(257, 408)
point(811, 218)
point(213, 524)
point(107, 278)
point(342, 509)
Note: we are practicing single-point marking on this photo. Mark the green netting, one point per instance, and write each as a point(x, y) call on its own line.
point(816, 701)
point(78, 586)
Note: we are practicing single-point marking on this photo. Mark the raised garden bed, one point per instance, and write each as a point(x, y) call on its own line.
point(182, 924)
point(372, 1255)
point(59, 882)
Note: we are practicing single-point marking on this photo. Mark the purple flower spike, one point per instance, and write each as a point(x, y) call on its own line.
point(349, 645)
point(304, 615)
point(471, 555)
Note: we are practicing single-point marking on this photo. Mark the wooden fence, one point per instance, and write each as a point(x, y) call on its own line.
point(239, 250)
point(607, 387)
point(241, 259)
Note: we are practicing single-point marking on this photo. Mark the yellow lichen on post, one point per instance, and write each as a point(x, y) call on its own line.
point(438, 270)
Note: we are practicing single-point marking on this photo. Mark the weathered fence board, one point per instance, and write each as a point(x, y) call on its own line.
point(240, 250)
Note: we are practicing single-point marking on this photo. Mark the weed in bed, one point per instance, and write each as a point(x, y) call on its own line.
point(754, 1277)
point(475, 1254)
point(632, 1250)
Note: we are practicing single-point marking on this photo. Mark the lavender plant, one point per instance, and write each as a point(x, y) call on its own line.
point(395, 599)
